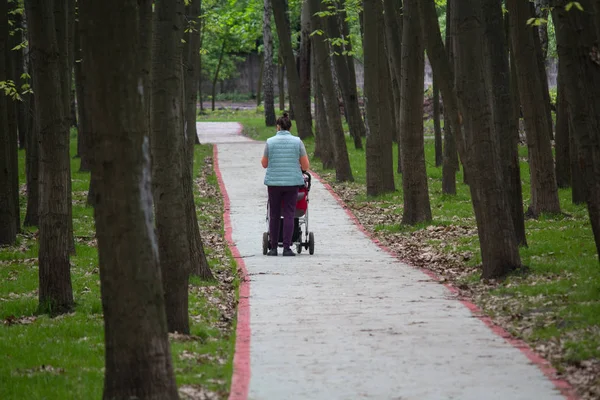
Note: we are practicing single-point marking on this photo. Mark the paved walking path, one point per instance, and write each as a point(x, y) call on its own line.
point(352, 322)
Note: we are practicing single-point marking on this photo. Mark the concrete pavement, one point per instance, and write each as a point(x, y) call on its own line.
point(351, 321)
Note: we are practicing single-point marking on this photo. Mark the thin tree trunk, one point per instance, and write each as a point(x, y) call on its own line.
point(216, 77)
point(168, 167)
point(8, 221)
point(563, 160)
point(343, 172)
point(19, 70)
point(414, 179)
point(32, 164)
point(387, 121)
point(506, 130)
point(269, 68)
point(83, 111)
point(544, 191)
point(345, 84)
point(304, 71)
point(450, 162)
point(13, 125)
point(137, 358)
point(577, 44)
point(323, 142)
point(444, 75)
point(191, 72)
point(499, 250)
point(281, 84)
point(299, 103)
point(55, 291)
point(437, 129)
point(260, 80)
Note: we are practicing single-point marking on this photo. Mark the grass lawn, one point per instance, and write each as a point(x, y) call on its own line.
point(554, 306)
point(63, 357)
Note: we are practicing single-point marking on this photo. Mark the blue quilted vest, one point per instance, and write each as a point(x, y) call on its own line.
point(284, 165)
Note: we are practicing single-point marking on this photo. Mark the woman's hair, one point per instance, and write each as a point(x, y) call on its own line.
point(284, 122)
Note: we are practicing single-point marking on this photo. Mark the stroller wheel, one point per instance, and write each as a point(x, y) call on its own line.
point(311, 243)
point(265, 243)
point(299, 248)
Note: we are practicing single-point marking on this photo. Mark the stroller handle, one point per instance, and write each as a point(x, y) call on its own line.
point(307, 179)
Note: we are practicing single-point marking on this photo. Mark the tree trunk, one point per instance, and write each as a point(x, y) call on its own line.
point(32, 163)
point(191, 77)
point(437, 129)
point(444, 76)
point(343, 172)
point(450, 162)
point(506, 129)
point(8, 221)
point(323, 142)
point(137, 358)
point(414, 180)
point(168, 167)
point(259, 85)
point(216, 77)
point(298, 102)
point(346, 85)
point(579, 190)
point(83, 111)
point(577, 44)
point(19, 70)
point(55, 291)
point(269, 68)
point(281, 83)
point(380, 166)
point(544, 192)
point(563, 160)
point(304, 71)
point(499, 250)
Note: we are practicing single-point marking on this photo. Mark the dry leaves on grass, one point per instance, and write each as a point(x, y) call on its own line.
point(42, 369)
point(424, 248)
point(196, 392)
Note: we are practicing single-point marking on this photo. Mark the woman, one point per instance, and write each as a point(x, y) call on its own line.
point(284, 158)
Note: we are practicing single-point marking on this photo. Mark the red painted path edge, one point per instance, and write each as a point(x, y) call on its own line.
point(240, 381)
point(544, 365)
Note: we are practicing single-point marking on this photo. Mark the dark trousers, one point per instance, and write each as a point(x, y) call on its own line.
point(289, 196)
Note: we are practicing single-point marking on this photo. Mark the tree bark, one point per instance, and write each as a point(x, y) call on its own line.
point(499, 250)
point(137, 358)
point(414, 181)
point(281, 83)
point(450, 161)
point(191, 77)
point(55, 292)
point(32, 164)
point(379, 160)
point(299, 103)
point(168, 167)
point(269, 68)
point(346, 81)
point(259, 85)
point(216, 76)
point(323, 142)
point(562, 165)
point(437, 129)
point(444, 75)
point(8, 208)
point(506, 129)
point(19, 69)
point(544, 191)
point(577, 44)
point(304, 60)
point(83, 98)
point(343, 172)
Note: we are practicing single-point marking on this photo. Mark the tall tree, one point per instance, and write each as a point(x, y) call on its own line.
point(55, 293)
point(379, 146)
point(83, 110)
point(12, 116)
point(577, 42)
point(443, 72)
point(562, 165)
point(323, 143)
point(343, 172)
point(393, 32)
point(544, 191)
point(346, 80)
point(304, 57)
point(499, 251)
point(137, 358)
point(32, 168)
point(8, 221)
point(437, 128)
point(299, 103)
point(168, 168)
point(506, 129)
point(269, 68)
point(414, 179)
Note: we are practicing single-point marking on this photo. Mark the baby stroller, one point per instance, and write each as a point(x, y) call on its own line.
point(301, 237)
